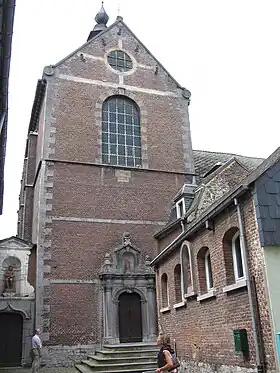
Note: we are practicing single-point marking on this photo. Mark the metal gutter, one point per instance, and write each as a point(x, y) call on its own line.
point(169, 227)
point(37, 104)
point(167, 249)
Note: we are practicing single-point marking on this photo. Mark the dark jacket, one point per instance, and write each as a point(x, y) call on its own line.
point(161, 358)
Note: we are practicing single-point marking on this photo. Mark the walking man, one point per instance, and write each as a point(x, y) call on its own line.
point(36, 351)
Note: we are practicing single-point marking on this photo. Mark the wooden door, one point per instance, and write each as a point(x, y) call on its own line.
point(11, 339)
point(130, 318)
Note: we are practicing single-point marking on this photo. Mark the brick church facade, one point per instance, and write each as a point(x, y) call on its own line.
point(132, 230)
point(108, 147)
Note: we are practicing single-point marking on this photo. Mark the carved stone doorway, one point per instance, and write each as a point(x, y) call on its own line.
point(11, 339)
point(129, 298)
point(130, 318)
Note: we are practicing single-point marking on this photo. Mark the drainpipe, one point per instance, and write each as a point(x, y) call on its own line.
point(175, 346)
point(260, 367)
point(182, 226)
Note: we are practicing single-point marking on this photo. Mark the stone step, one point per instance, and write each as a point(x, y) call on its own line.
point(120, 367)
point(130, 347)
point(84, 369)
point(130, 357)
point(126, 353)
point(123, 359)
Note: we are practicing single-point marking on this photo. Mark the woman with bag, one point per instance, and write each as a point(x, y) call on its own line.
point(167, 360)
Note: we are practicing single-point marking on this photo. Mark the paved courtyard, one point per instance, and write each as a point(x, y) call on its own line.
point(43, 370)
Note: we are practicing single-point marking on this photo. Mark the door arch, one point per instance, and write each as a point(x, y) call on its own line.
point(11, 339)
point(130, 318)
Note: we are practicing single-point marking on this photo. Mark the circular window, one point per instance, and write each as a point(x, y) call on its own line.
point(119, 60)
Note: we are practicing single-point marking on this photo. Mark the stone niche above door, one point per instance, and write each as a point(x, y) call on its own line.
point(127, 271)
point(14, 265)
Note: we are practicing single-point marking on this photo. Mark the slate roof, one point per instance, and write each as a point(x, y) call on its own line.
point(263, 174)
point(205, 160)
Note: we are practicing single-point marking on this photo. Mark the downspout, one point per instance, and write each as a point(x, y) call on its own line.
point(248, 283)
point(182, 226)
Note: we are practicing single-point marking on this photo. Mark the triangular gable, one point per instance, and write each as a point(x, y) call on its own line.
point(118, 22)
point(15, 243)
point(217, 184)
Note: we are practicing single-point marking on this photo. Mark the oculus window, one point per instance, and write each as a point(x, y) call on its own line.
point(119, 61)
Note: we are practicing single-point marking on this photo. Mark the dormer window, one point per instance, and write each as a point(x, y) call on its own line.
point(180, 208)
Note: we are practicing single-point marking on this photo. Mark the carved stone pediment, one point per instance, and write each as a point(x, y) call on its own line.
point(126, 260)
point(14, 243)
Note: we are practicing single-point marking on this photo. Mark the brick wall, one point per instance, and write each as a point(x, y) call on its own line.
point(26, 194)
point(204, 329)
point(82, 195)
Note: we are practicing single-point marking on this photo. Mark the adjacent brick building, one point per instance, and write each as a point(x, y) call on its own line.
point(212, 266)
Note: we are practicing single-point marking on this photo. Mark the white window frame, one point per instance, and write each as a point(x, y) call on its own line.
point(190, 289)
point(208, 267)
point(181, 288)
point(167, 291)
point(182, 200)
point(234, 256)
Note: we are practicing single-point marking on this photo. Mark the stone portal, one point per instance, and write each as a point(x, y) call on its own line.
point(17, 302)
point(129, 299)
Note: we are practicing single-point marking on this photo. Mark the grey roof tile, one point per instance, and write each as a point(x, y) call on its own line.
point(205, 160)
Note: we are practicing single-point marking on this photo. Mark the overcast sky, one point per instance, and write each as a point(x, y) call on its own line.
point(226, 52)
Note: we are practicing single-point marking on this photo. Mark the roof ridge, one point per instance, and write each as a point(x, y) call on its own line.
point(86, 43)
point(233, 154)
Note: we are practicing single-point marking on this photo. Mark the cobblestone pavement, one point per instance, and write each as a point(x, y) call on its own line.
point(42, 370)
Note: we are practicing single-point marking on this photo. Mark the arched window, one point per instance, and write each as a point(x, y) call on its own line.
point(178, 283)
point(121, 135)
point(164, 290)
point(208, 271)
point(233, 257)
point(187, 285)
point(238, 265)
point(205, 276)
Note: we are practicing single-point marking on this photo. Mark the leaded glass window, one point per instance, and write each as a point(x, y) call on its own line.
point(119, 60)
point(121, 138)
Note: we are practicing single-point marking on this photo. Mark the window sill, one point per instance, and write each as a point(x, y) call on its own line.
point(179, 305)
point(190, 294)
point(164, 309)
point(210, 294)
point(237, 285)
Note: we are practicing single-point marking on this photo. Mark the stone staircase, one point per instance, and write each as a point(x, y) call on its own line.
point(127, 358)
